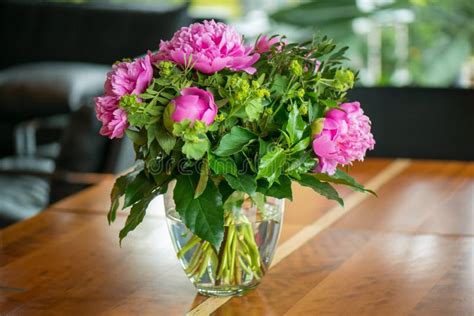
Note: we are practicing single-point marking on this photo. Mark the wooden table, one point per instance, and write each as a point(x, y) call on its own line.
point(410, 251)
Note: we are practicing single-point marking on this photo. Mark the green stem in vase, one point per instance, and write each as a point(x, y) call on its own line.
point(189, 245)
point(229, 246)
point(194, 260)
point(239, 253)
point(205, 263)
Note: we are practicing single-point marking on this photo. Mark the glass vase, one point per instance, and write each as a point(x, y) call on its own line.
point(250, 238)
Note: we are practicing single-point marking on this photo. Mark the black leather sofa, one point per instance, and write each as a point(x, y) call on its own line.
point(50, 31)
point(53, 60)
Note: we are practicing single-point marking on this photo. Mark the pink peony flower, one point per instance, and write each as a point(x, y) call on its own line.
point(193, 104)
point(129, 77)
point(114, 119)
point(345, 137)
point(125, 78)
point(211, 46)
point(264, 44)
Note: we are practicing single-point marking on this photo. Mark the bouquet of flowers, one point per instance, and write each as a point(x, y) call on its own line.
point(220, 127)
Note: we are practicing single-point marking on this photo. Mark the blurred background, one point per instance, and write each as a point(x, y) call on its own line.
point(415, 60)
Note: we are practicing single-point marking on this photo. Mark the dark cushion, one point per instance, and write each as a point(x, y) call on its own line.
point(46, 88)
point(23, 196)
point(82, 147)
point(27, 164)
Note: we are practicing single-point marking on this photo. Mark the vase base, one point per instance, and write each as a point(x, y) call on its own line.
point(223, 291)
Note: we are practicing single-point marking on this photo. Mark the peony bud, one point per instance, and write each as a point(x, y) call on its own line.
point(264, 44)
point(193, 104)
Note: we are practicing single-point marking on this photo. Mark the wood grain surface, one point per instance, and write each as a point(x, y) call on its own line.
point(408, 252)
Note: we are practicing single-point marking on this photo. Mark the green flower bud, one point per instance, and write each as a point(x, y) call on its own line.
point(344, 79)
point(300, 93)
point(200, 126)
point(129, 102)
point(262, 93)
point(233, 81)
point(220, 117)
point(166, 65)
point(296, 68)
point(303, 109)
point(255, 84)
point(240, 96)
point(166, 68)
point(244, 86)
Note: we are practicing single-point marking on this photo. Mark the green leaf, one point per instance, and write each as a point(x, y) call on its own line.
point(204, 216)
point(271, 165)
point(323, 188)
point(196, 149)
point(161, 81)
point(154, 110)
point(221, 103)
point(154, 150)
point(225, 190)
point(242, 183)
point(161, 100)
point(280, 189)
point(330, 104)
point(279, 85)
point(137, 213)
point(167, 95)
point(254, 108)
point(301, 162)
point(340, 177)
point(117, 191)
point(295, 126)
point(151, 133)
point(203, 178)
point(146, 96)
point(137, 137)
point(179, 128)
point(230, 122)
point(150, 90)
point(223, 165)
point(262, 147)
point(164, 138)
point(138, 188)
point(301, 145)
point(234, 141)
point(138, 119)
